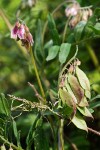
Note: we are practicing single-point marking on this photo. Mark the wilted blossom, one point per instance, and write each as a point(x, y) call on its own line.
point(72, 10)
point(77, 14)
point(21, 32)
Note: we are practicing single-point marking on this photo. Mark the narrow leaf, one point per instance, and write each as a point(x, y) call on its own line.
point(16, 134)
point(4, 105)
point(64, 52)
point(53, 30)
point(53, 51)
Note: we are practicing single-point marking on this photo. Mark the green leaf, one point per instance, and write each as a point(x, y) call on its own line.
point(4, 105)
point(53, 30)
point(79, 122)
point(96, 28)
point(38, 50)
point(40, 138)
point(16, 134)
point(31, 133)
point(53, 51)
point(95, 104)
point(84, 111)
point(79, 30)
point(96, 97)
point(64, 52)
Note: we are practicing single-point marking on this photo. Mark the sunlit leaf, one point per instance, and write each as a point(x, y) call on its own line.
point(79, 29)
point(4, 105)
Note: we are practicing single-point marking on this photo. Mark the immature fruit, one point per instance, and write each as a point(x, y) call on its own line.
point(75, 89)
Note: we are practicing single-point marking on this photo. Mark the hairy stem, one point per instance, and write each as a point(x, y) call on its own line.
point(37, 75)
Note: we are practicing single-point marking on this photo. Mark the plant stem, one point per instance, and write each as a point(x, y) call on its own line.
point(54, 11)
point(94, 131)
point(60, 136)
point(37, 75)
point(93, 56)
point(8, 143)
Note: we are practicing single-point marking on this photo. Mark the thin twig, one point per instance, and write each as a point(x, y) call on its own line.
point(94, 131)
point(36, 92)
point(37, 75)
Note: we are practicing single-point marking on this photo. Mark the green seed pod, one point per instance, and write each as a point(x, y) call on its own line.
point(76, 88)
point(68, 99)
point(84, 103)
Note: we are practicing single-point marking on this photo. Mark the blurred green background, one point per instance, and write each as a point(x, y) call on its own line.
point(15, 70)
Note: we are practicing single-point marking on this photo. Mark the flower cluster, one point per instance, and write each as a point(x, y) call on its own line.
point(21, 32)
point(77, 14)
point(74, 90)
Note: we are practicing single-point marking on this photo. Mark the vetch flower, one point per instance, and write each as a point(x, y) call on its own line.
point(72, 10)
point(21, 32)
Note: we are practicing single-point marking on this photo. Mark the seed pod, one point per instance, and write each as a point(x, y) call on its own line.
point(84, 102)
point(83, 80)
point(76, 88)
point(67, 86)
point(68, 99)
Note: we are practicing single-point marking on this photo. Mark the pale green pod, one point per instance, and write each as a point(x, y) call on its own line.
point(87, 94)
point(84, 103)
point(67, 99)
point(76, 88)
point(84, 111)
point(67, 86)
point(83, 80)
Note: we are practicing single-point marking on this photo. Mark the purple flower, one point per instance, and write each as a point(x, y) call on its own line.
point(21, 32)
point(18, 31)
point(72, 10)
